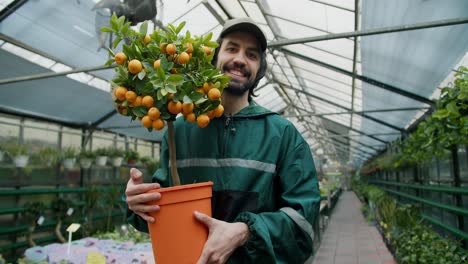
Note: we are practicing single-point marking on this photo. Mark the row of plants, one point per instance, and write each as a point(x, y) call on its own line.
point(22, 154)
point(64, 211)
point(445, 128)
point(408, 237)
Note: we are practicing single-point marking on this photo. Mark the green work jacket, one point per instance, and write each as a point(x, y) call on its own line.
point(263, 175)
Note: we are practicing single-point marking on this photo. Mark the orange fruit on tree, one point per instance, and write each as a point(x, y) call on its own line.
point(219, 110)
point(157, 64)
point(137, 101)
point(135, 66)
point(207, 50)
point(200, 90)
point(190, 117)
point(162, 47)
point(147, 101)
point(173, 70)
point(170, 96)
point(171, 49)
point(158, 124)
point(189, 47)
point(146, 39)
point(120, 92)
point(123, 110)
point(207, 87)
point(203, 120)
point(130, 96)
point(120, 58)
point(183, 58)
point(154, 113)
point(146, 121)
point(174, 107)
point(187, 108)
point(214, 94)
point(211, 114)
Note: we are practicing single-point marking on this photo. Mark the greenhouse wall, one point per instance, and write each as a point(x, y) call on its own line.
point(438, 187)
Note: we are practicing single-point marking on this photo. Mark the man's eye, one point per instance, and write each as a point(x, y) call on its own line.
point(252, 56)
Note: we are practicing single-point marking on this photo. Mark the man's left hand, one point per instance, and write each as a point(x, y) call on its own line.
point(223, 239)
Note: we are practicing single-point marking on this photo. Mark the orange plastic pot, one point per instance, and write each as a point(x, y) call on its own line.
point(176, 236)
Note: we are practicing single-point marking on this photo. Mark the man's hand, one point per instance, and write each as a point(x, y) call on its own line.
point(137, 196)
point(223, 239)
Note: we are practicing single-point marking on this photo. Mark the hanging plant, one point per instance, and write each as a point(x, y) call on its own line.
point(445, 128)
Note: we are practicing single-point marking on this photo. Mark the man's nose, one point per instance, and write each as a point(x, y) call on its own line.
point(240, 58)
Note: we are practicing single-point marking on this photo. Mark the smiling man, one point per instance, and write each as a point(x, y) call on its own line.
point(265, 192)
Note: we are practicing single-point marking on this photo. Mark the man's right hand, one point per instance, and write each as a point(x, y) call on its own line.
point(137, 196)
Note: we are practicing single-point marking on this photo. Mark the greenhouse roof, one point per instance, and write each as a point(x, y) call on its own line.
point(351, 75)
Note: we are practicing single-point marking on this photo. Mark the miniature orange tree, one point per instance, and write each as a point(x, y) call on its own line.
point(164, 74)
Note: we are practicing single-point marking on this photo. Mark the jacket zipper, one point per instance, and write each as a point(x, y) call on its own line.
point(226, 128)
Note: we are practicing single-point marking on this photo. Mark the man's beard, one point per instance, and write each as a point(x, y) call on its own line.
point(235, 87)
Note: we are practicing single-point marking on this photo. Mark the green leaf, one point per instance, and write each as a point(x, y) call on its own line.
point(165, 115)
point(141, 75)
point(172, 29)
point(187, 99)
point(144, 28)
point(452, 108)
point(163, 92)
point(171, 88)
point(128, 50)
point(140, 111)
point(113, 22)
point(164, 64)
point(201, 100)
point(109, 62)
point(439, 114)
point(212, 44)
point(207, 38)
point(148, 66)
point(120, 22)
point(176, 79)
point(116, 42)
point(137, 51)
point(106, 29)
point(161, 74)
point(179, 28)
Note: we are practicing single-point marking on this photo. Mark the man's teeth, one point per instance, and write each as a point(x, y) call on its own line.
point(238, 73)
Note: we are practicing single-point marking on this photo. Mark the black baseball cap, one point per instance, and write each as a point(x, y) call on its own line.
point(245, 24)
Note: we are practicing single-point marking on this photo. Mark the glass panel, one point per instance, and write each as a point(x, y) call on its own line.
point(463, 163)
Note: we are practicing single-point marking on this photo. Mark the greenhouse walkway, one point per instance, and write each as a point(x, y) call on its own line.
point(349, 239)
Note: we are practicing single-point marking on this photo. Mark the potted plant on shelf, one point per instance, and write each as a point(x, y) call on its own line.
point(159, 76)
point(116, 155)
point(131, 156)
point(47, 156)
point(150, 164)
point(86, 158)
point(69, 157)
point(18, 153)
point(102, 155)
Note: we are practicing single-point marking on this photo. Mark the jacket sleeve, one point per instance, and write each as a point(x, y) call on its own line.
point(285, 236)
point(162, 177)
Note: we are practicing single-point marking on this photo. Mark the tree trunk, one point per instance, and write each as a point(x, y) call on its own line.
point(172, 154)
